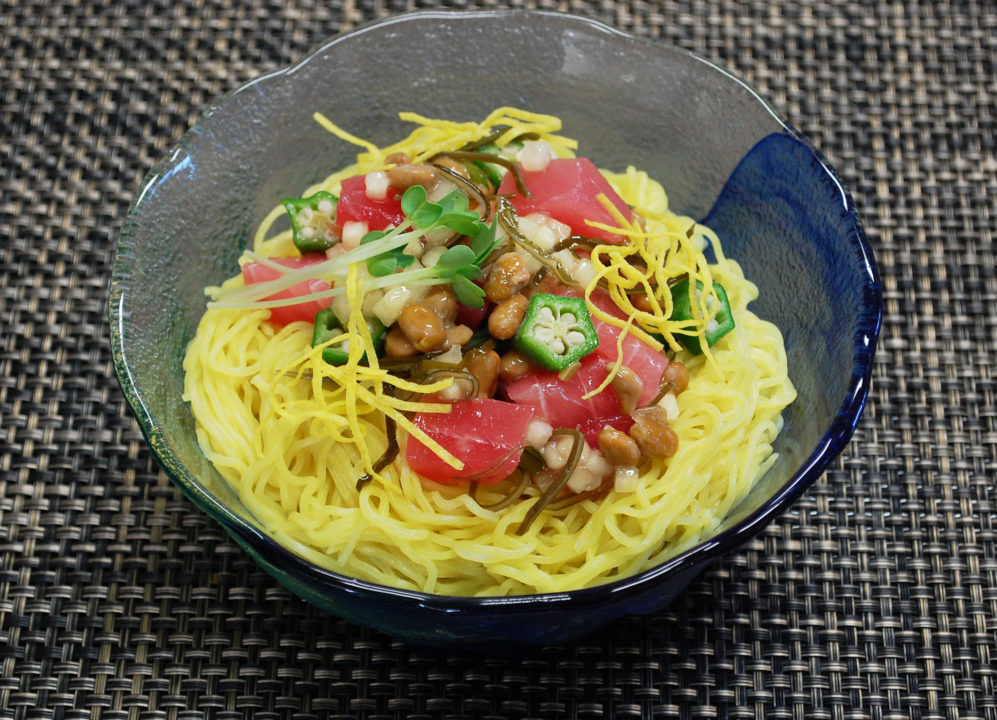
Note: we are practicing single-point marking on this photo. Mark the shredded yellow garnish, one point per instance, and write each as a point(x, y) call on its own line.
point(668, 246)
point(429, 138)
point(357, 382)
point(291, 434)
point(332, 127)
point(666, 250)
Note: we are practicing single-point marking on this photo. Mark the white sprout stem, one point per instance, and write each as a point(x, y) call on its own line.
point(251, 295)
point(283, 302)
point(423, 276)
point(269, 262)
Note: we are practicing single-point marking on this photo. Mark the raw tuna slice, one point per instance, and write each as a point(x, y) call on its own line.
point(258, 272)
point(640, 357)
point(560, 402)
point(487, 435)
point(568, 190)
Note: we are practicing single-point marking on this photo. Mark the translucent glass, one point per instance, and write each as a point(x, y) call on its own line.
point(718, 148)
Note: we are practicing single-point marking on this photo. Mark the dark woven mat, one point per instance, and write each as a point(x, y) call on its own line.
point(874, 597)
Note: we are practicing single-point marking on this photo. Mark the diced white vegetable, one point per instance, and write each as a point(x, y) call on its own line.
point(341, 308)
point(538, 433)
point(545, 232)
point(430, 256)
point(535, 155)
point(544, 479)
point(567, 260)
point(670, 405)
point(584, 271)
point(370, 300)
point(458, 390)
point(542, 230)
point(440, 190)
point(391, 304)
point(440, 236)
point(582, 480)
point(625, 479)
point(341, 304)
point(413, 248)
point(394, 300)
point(376, 184)
point(555, 452)
point(353, 233)
point(598, 465)
point(451, 357)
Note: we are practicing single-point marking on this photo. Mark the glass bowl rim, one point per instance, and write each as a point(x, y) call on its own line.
point(256, 541)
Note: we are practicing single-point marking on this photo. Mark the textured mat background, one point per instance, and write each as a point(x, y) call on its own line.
point(874, 597)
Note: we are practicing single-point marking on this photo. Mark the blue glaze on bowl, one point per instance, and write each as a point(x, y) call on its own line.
point(779, 209)
point(784, 215)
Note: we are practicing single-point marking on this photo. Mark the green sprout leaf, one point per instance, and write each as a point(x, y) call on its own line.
point(388, 261)
point(454, 202)
point(413, 199)
point(372, 236)
point(417, 208)
point(483, 243)
point(382, 265)
point(465, 224)
point(456, 216)
point(455, 258)
point(403, 260)
point(467, 292)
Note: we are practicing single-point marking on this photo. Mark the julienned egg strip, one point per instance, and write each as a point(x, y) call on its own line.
point(293, 456)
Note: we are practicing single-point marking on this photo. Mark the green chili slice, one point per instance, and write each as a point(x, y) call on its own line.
point(328, 326)
point(556, 331)
point(721, 323)
point(313, 221)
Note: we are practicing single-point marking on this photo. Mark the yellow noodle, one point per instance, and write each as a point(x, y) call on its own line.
point(292, 434)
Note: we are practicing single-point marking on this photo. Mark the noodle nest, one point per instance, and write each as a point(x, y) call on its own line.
point(288, 442)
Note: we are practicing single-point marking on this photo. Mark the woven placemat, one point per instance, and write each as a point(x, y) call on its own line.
point(875, 596)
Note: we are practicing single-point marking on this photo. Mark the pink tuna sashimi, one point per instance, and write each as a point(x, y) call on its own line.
point(487, 435)
point(305, 311)
point(560, 402)
point(355, 206)
point(568, 190)
point(592, 427)
point(640, 357)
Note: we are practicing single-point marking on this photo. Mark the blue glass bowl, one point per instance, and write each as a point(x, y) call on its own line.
point(720, 151)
